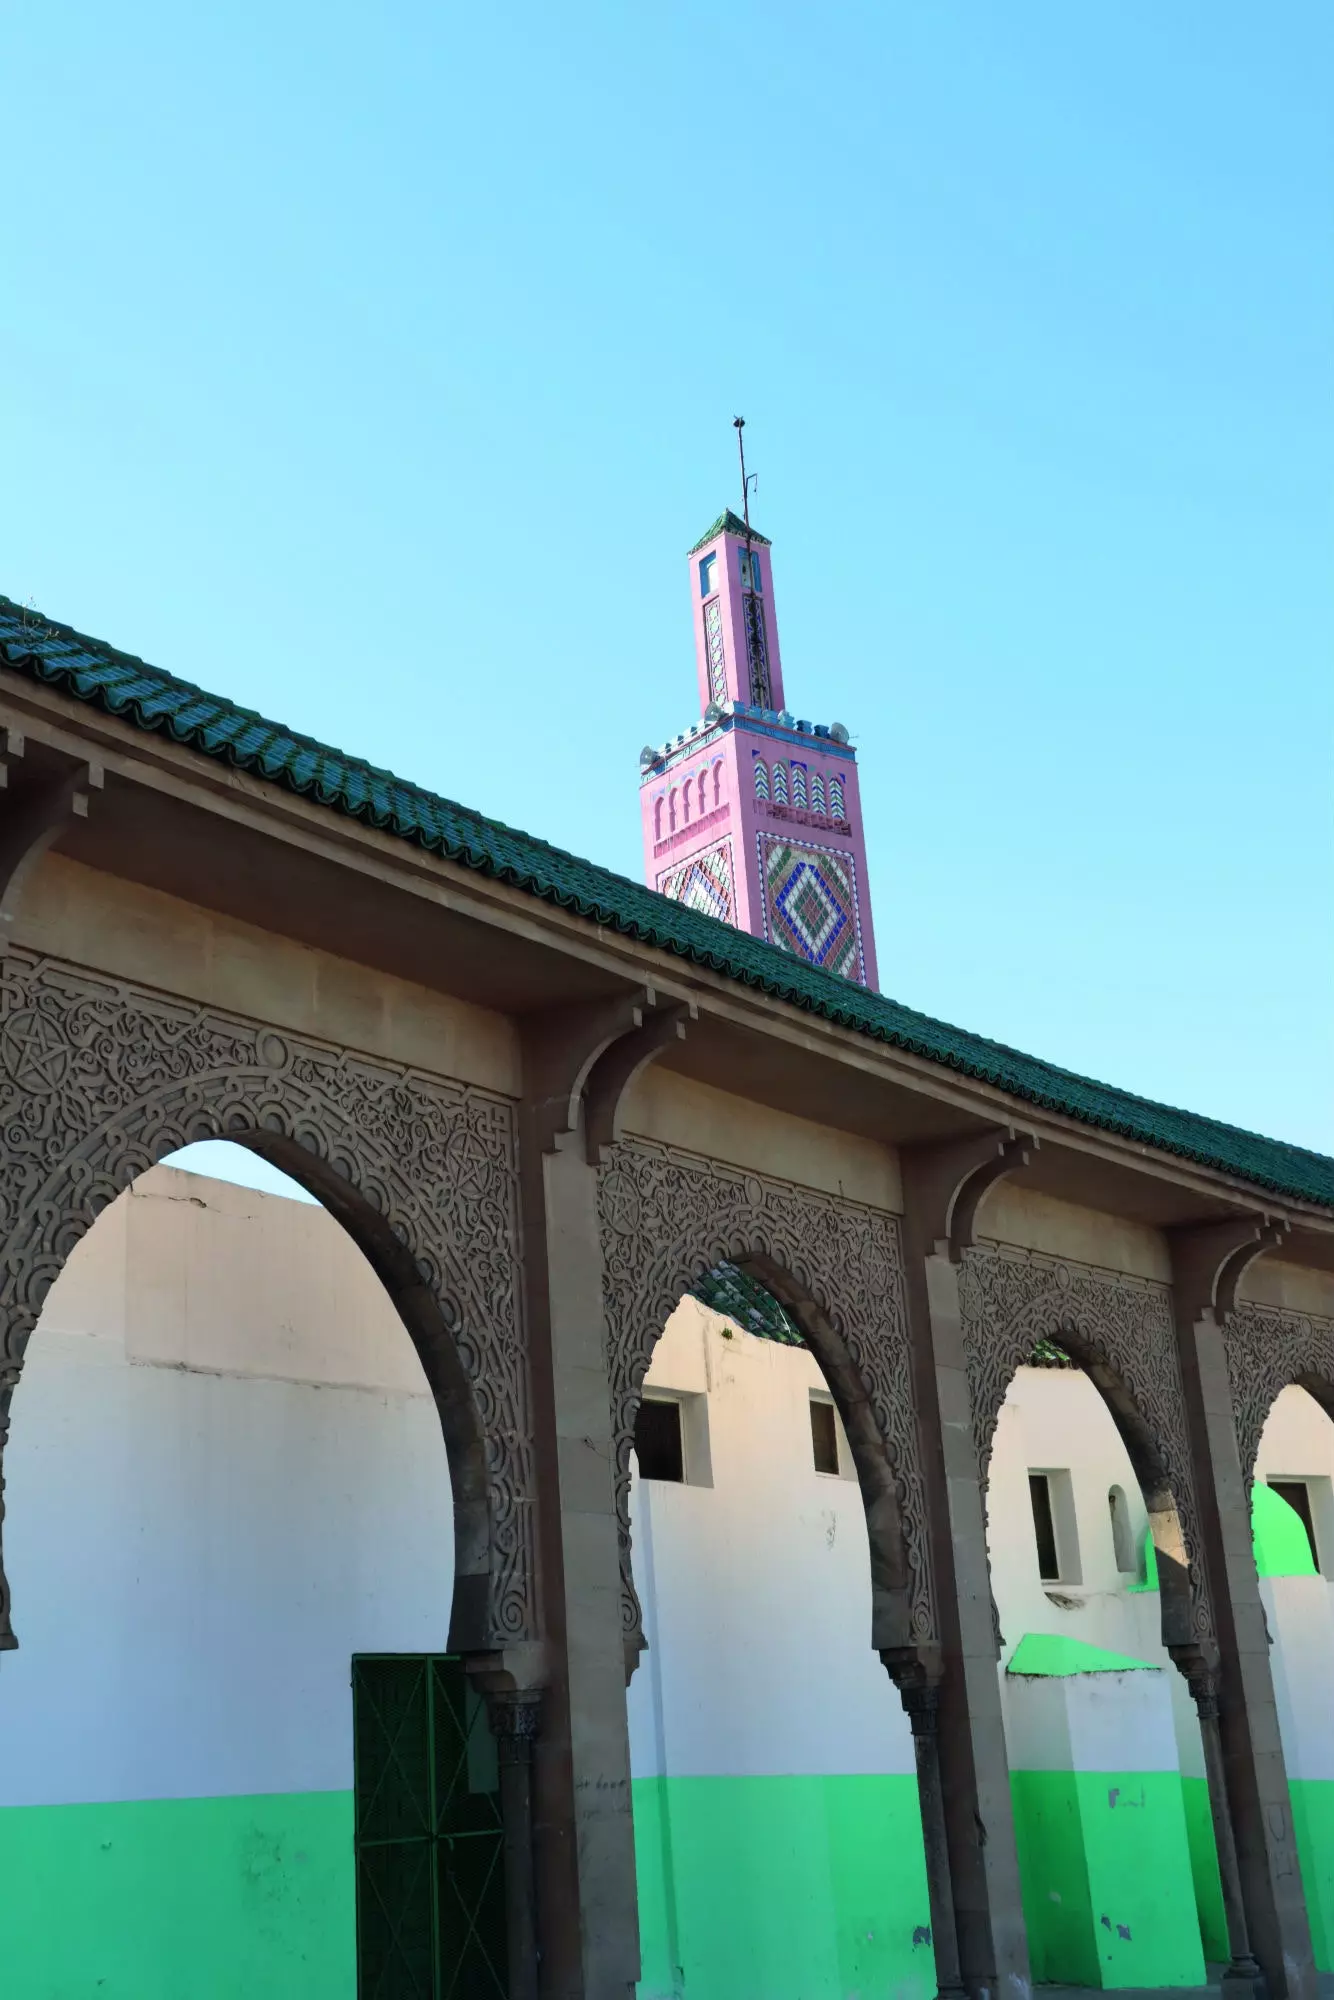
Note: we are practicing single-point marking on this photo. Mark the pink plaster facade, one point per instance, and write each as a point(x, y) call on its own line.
point(751, 815)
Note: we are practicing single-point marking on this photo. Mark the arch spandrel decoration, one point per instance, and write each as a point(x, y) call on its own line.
point(1121, 1330)
point(1267, 1350)
point(666, 1217)
point(99, 1079)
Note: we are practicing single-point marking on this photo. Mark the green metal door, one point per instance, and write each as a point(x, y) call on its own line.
point(430, 1868)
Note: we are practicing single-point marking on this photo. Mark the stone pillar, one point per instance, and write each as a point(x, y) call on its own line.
point(1251, 1788)
point(919, 1687)
point(576, 1065)
point(973, 1771)
point(514, 1719)
point(1243, 1977)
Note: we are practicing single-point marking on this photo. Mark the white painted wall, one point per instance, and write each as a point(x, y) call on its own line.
point(756, 1588)
point(1298, 1443)
point(225, 1476)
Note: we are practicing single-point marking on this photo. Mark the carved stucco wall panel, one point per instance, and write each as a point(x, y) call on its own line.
point(99, 1079)
point(1268, 1348)
point(667, 1216)
point(1010, 1300)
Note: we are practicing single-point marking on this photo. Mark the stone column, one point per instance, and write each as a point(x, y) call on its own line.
point(942, 1187)
point(514, 1719)
point(919, 1687)
point(1250, 1787)
point(577, 1063)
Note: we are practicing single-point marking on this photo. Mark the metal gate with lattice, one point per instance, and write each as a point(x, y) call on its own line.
point(429, 1847)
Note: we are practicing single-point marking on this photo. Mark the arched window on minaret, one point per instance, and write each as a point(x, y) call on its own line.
point(671, 810)
point(659, 808)
point(685, 802)
point(703, 793)
point(836, 798)
point(817, 791)
point(780, 783)
point(717, 782)
point(799, 786)
point(761, 778)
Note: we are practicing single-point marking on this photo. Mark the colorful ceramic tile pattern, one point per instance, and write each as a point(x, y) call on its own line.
point(713, 639)
point(704, 883)
point(810, 904)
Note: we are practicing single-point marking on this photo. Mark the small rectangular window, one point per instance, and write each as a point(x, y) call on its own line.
point(707, 572)
point(1298, 1496)
point(824, 1436)
point(1044, 1527)
point(750, 570)
point(658, 1445)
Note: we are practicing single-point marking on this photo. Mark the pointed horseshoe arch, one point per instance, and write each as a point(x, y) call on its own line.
point(103, 1079)
point(1120, 1331)
point(666, 1218)
point(1269, 1350)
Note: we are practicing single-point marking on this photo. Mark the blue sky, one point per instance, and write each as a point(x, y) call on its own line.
point(378, 368)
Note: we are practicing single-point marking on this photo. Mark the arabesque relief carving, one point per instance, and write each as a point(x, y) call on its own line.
point(100, 1079)
point(1012, 1299)
point(667, 1216)
point(1267, 1349)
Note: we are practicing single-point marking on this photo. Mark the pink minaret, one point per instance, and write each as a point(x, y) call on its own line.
point(750, 814)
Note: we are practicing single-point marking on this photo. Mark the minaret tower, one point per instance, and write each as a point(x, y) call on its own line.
point(750, 814)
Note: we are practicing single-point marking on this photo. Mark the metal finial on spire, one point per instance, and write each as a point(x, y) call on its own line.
point(739, 425)
point(756, 649)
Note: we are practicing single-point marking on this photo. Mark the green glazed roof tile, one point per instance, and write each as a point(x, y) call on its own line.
point(728, 523)
point(1052, 1653)
point(90, 671)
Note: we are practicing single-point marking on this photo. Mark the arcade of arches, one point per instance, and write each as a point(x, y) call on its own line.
point(540, 1123)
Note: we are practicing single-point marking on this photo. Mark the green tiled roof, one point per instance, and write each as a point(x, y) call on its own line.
point(89, 671)
point(726, 1290)
point(728, 523)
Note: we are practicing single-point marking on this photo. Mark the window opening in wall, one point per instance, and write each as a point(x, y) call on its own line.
point(1123, 1541)
point(824, 1436)
point(1044, 1527)
point(707, 575)
point(1298, 1496)
point(750, 570)
point(658, 1442)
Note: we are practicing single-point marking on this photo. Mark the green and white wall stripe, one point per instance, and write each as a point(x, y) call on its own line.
point(196, 1556)
point(776, 1814)
point(1104, 1853)
point(1299, 1607)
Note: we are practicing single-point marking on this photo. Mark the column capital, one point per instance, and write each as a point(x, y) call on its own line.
point(579, 1061)
point(1209, 1260)
point(944, 1182)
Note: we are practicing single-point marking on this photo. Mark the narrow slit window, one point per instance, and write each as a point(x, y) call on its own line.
point(658, 1443)
point(824, 1436)
point(1044, 1527)
point(1123, 1542)
point(1298, 1496)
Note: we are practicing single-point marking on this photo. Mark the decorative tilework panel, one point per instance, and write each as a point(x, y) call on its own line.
point(810, 904)
point(713, 641)
point(704, 883)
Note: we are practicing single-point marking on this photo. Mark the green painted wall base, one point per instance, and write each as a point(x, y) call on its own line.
point(782, 1889)
point(1105, 1866)
point(1313, 1818)
point(180, 1899)
point(1204, 1869)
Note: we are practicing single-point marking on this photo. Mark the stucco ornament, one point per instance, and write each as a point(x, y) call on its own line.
point(100, 1079)
point(1121, 1330)
point(668, 1216)
point(1268, 1349)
